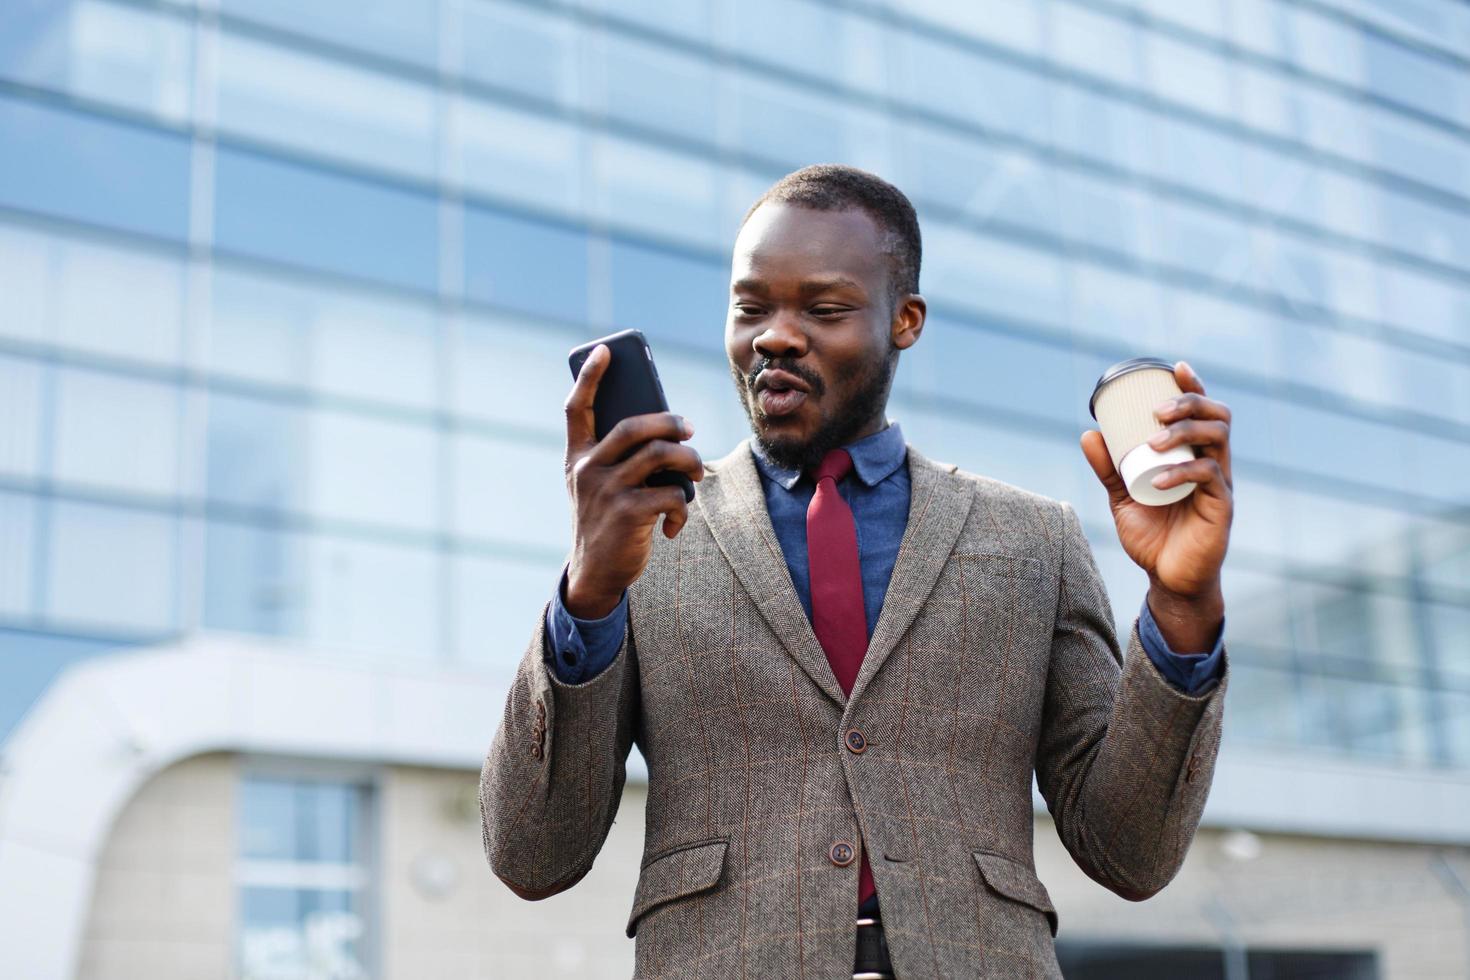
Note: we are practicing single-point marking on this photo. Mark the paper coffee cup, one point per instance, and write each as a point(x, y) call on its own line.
point(1123, 403)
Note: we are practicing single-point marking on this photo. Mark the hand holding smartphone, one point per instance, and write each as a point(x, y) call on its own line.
point(630, 386)
point(627, 468)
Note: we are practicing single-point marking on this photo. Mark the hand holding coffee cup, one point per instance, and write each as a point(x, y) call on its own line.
point(1123, 403)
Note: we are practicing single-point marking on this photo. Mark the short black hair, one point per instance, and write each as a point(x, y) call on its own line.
point(836, 187)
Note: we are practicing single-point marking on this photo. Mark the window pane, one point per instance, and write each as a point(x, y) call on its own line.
point(257, 328)
point(254, 580)
point(496, 604)
point(518, 156)
point(651, 86)
point(518, 49)
point(525, 265)
point(270, 93)
point(378, 598)
point(110, 567)
point(17, 550)
point(403, 30)
point(256, 453)
point(510, 492)
point(93, 170)
point(504, 369)
point(302, 216)
point(117, 432)
point(373, 471)
point(665, 294)
point(101, 51)
point(642, 188)
point(127, 304)
point(300, 820)
point(302, 934)
point(20, 417)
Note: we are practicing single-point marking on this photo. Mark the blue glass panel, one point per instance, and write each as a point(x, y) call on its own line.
point(303, 216)
point(287, 932)
point(668, 295)
point(93, 170)
point(255, 453)
point(525, 265)
point(405, 30)
point(29, 662)
point(300, 820)
point(254, 580)
point(514, 47)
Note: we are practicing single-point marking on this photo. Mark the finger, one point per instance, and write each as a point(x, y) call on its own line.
point(669, 501)
point(1101, 462)
point(1191, 405)
point(1204, 471)
point(581, 422)
point(1187, 379)
point(660, 454)
point(635, 430)
point(1212, 435)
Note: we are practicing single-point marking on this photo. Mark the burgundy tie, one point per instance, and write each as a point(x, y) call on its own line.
point(838, 616)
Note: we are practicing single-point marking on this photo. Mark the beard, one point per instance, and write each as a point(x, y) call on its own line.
point(869, 396)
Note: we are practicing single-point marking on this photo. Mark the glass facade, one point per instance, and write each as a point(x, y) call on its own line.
point(286, 292)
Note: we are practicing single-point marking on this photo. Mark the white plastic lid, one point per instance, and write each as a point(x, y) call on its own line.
point(1143, 462)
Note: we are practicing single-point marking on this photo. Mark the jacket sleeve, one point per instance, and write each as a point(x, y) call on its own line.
point(553, 777)
point(1125, 758)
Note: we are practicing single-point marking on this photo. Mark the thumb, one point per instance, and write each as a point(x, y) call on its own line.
point(1096, 451)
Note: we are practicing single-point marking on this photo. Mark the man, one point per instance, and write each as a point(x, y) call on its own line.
point(843, 661)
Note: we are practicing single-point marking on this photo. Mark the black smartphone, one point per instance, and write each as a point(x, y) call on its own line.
point(629, 386)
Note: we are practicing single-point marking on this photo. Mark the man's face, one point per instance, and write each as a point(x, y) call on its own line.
point(812, 332)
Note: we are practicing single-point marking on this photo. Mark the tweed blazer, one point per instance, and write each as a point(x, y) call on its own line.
point(994, 656)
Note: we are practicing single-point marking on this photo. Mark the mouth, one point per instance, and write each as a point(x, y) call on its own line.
point(780, 393)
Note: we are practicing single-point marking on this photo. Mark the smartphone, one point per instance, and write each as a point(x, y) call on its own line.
point(629, 386)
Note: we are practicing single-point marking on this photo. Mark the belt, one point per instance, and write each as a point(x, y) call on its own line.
point(871, 961)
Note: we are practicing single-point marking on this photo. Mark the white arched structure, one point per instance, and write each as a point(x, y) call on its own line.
point(107, 725)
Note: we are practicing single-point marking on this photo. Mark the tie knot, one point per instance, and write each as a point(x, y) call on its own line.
point(836, 464)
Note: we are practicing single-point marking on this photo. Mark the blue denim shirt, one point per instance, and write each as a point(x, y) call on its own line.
point(878, 493)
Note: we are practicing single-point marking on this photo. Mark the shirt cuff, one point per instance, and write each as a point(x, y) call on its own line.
point(1190, 672)
point(583, 648)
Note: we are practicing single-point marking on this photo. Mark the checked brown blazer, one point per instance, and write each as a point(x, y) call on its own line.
point(995, 654)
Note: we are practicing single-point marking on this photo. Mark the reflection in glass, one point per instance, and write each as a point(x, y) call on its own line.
point(403, 30)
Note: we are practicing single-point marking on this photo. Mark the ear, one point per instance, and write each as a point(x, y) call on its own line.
point(908, 320)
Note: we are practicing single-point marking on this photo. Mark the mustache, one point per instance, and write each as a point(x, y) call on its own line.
point(801, 371)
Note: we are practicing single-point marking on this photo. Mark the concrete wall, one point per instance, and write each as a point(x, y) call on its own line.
point(164, 902)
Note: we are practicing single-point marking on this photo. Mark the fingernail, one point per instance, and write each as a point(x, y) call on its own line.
point(1159, 479)
point(686, 426)
point(1165, 407)
point(1158, 438)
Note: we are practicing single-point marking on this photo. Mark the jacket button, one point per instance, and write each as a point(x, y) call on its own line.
point(841, 854)
point(855, 741)
point(536, 751)
point(1193, 765)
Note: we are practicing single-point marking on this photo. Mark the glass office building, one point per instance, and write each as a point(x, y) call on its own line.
point(286, 291)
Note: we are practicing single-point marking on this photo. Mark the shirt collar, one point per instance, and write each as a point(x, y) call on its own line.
point(874, 458)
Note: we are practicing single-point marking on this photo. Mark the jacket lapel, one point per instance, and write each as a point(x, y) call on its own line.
point(939, 503)
point(734, 506)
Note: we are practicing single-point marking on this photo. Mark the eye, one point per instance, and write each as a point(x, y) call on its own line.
point(747, 309)
point(829, 312)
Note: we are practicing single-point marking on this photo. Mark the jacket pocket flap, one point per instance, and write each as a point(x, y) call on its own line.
point(1016, 882)
point(685, 870)
point(997, 563)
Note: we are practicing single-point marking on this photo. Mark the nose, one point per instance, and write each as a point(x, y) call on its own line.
point(782, 337)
